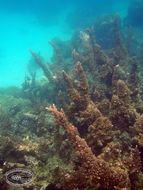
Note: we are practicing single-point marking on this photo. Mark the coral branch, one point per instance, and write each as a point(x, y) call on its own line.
point(59, 58)
point(83, 87)
point(99, 55)
point(90, 170)
point(44, 67)
point(72, 92)
point(79, 97)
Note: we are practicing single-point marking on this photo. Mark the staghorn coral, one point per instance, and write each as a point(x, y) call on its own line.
point(59, 59)
point(120, 50)
point(123, 113)
point(90, 171)
point(137, 132)
point(102, 98)
point(110, 137)
point(41, 64)
point(103, 68)
point(104, 110)
point(82, 110)
point(79, 96)
point(91, 123)
point(100, 133)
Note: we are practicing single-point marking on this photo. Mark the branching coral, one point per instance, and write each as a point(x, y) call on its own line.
point(123, 113)
point(80, 96)
point(42, 65)
point(82, 110)
point(103, 121)
point(89, 171)
point(110, 138)
point(100, 133)
point(102, 102)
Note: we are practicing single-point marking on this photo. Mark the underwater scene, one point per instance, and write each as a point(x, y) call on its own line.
point(71, 95)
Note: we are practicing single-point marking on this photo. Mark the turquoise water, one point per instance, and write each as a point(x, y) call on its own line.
point(71, 94)
point(31, 24)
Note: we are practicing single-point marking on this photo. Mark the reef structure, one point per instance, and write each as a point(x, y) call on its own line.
point(90, 171)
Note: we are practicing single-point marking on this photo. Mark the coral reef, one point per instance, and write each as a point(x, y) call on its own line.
point(90, 171)
point(111, 139)
point(96, 140)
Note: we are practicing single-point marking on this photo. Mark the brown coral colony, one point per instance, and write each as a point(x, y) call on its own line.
point(91, 137)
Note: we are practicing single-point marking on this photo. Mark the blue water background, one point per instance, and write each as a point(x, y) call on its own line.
point(30, 24)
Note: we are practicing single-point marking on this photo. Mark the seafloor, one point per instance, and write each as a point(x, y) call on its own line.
point(80, 127)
